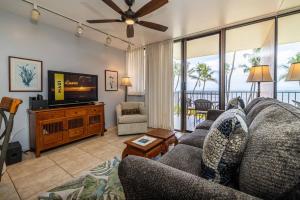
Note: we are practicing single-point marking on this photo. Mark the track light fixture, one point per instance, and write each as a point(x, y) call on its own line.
point(79, 30)
point(35, 17)
point(129, 47)
point(108, 41)
point(35, 13)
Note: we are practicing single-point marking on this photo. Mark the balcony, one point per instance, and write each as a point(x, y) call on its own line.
point(193, 117)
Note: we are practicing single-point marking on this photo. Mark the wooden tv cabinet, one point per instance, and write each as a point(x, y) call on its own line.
point(50, 128)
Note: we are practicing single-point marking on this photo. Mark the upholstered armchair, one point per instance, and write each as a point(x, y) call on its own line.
point(131, 118)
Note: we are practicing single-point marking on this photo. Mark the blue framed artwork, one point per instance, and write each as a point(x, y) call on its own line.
point(25, 75)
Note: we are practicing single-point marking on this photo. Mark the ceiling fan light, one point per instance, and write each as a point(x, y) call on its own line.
point(129, 21)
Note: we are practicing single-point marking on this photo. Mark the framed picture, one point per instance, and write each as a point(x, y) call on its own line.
point(25, 75)
point(111, 80)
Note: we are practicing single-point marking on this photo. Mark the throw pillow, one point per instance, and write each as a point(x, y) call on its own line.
point(235, 103)
point(223, 148)
point(134, 111)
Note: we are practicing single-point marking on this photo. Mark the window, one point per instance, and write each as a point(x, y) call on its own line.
point(177, 74)
point(248, 46)
point(202, 78)
point(288, 53)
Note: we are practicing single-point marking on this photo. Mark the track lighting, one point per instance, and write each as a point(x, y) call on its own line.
point(79, 30)
point(35, 13)
point(108, 41)
point(129, 47)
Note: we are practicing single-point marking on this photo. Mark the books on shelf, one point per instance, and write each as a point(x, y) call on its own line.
point(144, 140)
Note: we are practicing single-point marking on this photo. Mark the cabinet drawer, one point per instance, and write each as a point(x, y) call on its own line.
point(95, 110)
point(53, 138)
point(75, 112)
point(96, 128)
point(75, 133)
point(51, 115)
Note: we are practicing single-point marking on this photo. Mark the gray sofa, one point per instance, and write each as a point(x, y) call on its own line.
point(270, 167)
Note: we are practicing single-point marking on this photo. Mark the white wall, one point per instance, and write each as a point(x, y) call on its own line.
point(59, 50)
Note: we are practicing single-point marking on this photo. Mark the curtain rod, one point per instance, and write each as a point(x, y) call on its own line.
point(76, 21)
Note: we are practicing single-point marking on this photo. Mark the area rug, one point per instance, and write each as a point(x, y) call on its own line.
point(99, 183)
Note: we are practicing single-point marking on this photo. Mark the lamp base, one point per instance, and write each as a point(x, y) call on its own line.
point(258, 89)
point(126, 91)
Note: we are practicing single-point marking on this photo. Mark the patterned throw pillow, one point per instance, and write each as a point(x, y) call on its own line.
point(235, 103)
point(223, 147)
point(134, 111)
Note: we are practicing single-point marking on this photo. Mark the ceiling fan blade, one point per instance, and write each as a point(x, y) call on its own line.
point(103, 21)
point(150, 7)
point(154, 26)
point(111, 4)
point(130, 31)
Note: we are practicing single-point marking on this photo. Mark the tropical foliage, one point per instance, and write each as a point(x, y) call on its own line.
point(176, 74)
point(229, 68)
point(100, 183)
point(253, 59)
point(202, 73)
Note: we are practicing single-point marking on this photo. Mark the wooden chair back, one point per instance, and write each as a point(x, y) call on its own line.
point(8, 109)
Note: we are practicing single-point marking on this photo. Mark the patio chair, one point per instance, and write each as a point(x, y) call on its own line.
point(189, 107)
point(201, 107)
point(8, 109)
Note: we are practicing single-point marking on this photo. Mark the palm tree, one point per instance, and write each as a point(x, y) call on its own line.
point(177, 73)
point(202, 73)
point(229, 70)
point(254, 59)
point(292, 60)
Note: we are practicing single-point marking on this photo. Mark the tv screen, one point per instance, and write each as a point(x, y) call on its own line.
point(71, 88)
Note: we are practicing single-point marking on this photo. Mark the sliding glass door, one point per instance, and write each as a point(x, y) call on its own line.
point(288, 53)
point(177, 82)
point(202, 78)
point(201, 83)
point(247, 47)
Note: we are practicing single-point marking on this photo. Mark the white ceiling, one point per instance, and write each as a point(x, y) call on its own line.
point(183, 17)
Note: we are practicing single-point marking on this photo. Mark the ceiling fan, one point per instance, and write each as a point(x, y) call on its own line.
point(130, 17)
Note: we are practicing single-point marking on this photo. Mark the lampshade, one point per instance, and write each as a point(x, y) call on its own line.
point(294, 72)
point(126, 81)
point(260, 73)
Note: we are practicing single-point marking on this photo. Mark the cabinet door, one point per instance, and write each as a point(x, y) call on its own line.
point(52, 132)
point(95, 123)
point(76, 127)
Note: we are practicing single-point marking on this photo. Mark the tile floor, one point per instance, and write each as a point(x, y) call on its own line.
point(25, 180)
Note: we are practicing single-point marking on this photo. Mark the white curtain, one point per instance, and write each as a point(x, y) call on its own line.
point(159, 84)
point(135, 68)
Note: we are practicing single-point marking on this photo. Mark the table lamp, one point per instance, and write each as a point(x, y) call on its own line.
point(259, 73)
point(125, 81)
point(294, 72)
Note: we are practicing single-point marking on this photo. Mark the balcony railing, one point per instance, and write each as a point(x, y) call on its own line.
point(291, 97)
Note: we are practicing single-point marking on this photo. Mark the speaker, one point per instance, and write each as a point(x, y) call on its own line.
point(14, 153)
point(35, 104)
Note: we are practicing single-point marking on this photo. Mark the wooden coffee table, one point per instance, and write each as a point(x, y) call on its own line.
point(149, 151)
point(167, 136)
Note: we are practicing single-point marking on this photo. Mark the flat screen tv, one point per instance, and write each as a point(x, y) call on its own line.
point(71, 88)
